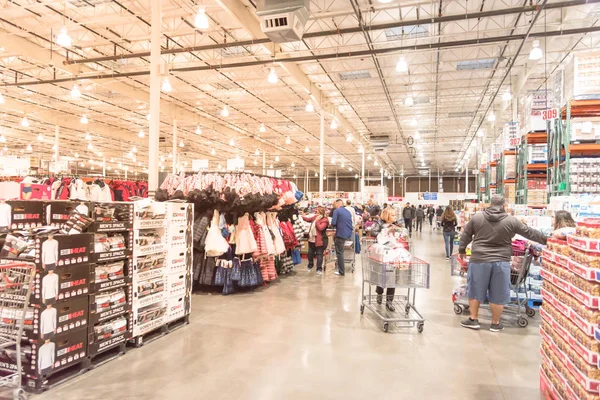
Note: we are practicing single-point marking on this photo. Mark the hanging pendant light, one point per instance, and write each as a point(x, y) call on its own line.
point(271, 166)
point(84, 119)
point(148, 117)
point(334, 124)
point(141, 134)
point(349, 137)
point(166, 85)
point(255, 162)
point(369, 157)
point(225, 111)
point(90, 147)
point(350, 169)
point(134, 149)
point(1, 99)
point(293, 164)
point(232, 142)
point(88, 136)
point(198, 130)
point(480, 133)
point(76, 155)
point(29, 148)
point(213, 152)
point(75, 92)
point(361, 149)
point(309, 106)
point(333, 160)
point(25, 122)
point(288, 140)
point(201, 20)
point(417, 135)
point(492, 117)
point(375, 163)
point(170, 155)
point(342, 164)
point(536, 52)
point(181, 143)
point(316, 174)
point(402, 65)
point(507, 96)
point(257, 152)
point(262, 128)
point(409, 102)
point(2, 139)
point(63, 39)
point(40, 138)
point(306, 150)
point(273, 78)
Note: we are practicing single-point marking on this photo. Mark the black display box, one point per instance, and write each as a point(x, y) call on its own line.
point(26, 214)
point(97, 315)
point(116, 254)
point(58, 212)
point(67, 316)
point(110, 284)
point(72, 249)
point(66, 282)
point(99, 346)
point(112, 217)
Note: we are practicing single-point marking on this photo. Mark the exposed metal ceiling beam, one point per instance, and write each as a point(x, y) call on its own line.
point(360, 53)
point(263, 40)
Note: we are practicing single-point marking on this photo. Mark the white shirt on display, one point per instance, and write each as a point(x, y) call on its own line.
point(50, 286)
point(46, 355)
point(5, 214)
point(50, 251)
point(48, 321)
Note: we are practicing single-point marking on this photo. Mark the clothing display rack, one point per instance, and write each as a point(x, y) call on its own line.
point(239, 239)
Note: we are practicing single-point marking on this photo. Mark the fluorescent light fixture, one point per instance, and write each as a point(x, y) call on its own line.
point(63, 39)
point(166, 85)
point(201, 20)
point(273, 78)
point(310, 107)
point(402, 65)
point(225, 111)
point(536, 52)
point(75, 92)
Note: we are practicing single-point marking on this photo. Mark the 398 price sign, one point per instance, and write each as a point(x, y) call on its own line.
point(550, 114)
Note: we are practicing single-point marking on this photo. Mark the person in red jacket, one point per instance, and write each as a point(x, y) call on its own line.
point(317, 239)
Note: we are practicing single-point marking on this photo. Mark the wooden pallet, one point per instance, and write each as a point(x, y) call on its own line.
point(107, 355)
point(44, 383)
point(159, 332)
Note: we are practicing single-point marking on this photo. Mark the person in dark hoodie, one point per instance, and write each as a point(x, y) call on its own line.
point(491, 232)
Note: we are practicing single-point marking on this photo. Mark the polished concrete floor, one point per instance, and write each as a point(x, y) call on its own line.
point(304, 338)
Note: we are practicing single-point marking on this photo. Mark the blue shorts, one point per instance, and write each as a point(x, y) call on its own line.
point(493, 277)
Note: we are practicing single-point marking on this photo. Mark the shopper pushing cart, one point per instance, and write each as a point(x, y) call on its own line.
point(491, 232)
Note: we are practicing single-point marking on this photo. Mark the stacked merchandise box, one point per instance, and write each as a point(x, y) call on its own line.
point(510, 192)
point(570, 314)
point(537, 192)
point(110, 299)
point(150, 254)
point(56, 323)
point(585, 175)
point(537, 153)
point(581, 74)
point(179, 260)
point(534, 104)
point(511, 134)
point(510, 166)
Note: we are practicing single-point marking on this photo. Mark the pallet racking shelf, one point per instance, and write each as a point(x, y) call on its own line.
point(527, 171)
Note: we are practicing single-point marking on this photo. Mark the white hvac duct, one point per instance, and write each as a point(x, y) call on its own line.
point(283, 20)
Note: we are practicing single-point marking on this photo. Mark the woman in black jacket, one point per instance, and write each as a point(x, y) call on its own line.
point(449, 230)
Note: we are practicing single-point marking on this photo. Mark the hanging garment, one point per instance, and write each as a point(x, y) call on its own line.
point(261, 219)
point(244, 238)
point(200, 232)
point(274, 228)
point(216, 244)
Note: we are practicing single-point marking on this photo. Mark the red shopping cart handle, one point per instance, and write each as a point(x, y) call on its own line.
point(461, 261)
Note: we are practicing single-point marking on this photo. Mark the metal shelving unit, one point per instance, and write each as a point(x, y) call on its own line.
point(526, 171)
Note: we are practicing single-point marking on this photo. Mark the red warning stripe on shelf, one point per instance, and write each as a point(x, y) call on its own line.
point(583, 243)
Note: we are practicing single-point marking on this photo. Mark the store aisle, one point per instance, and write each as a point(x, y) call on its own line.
point(304, 337)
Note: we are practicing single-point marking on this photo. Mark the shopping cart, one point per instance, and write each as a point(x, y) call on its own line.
point(520, 263)
point(411, 276)
point(15, 289)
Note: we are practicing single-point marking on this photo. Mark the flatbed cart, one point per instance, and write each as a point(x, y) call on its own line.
point(16, 279)
point(411, 276)
point(520, 263)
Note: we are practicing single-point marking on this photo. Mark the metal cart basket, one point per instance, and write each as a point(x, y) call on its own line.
point(349, 255)
point(15, 288)
point(520, 263)
point(411, 276)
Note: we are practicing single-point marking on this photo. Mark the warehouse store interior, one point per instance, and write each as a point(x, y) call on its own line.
point(206, 192)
